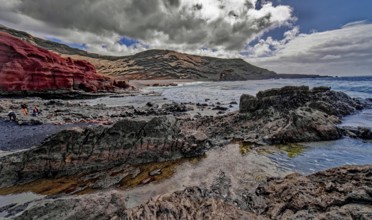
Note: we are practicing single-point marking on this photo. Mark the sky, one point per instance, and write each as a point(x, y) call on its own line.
point(327, 37)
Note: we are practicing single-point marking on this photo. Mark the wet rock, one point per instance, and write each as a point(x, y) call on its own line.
point(150, 104)
point(89, 149)
point(292, 114)
point(278, 116)
point(248, 103)
point(220, 108)
point(357, 132)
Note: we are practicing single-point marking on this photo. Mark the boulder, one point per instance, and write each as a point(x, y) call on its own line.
point(284, 115)
point(25, 67)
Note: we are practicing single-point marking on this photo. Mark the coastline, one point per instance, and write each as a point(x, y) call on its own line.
point(181, 134)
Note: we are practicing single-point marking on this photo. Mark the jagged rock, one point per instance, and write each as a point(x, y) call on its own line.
point(293, 97)
point(90, 149)
point(358, 132)
point(339, 193)
point(25, 67)
point(294, 114)
point(285, 115)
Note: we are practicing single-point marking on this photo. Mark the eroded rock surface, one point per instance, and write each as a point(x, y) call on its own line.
point(339, 193)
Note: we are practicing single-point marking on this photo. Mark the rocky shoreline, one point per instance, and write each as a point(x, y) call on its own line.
point(105, 154)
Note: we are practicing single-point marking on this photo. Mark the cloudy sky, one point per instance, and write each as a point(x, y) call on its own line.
point(287, 36)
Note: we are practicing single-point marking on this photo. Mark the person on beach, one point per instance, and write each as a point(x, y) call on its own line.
point(12, 116)
point(24, 109)
point(36, 111)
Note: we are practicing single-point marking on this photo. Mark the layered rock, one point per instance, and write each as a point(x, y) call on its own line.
point(25, 67)
point(339, 193)
point(81, 150)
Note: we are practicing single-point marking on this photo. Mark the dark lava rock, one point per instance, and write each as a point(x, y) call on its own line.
point(285, 115)
point(220, 108)
point(357, 132)
point(89, 149)
point(176, 107)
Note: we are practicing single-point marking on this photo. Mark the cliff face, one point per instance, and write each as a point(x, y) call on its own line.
point(25, 67)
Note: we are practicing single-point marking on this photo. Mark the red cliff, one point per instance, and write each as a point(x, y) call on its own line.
point(25, 67)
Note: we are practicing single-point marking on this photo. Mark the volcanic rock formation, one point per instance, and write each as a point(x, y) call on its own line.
point(286, 115)
point(25, 67)
point(81, 150)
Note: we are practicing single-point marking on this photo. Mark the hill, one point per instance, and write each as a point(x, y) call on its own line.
point(156, 64)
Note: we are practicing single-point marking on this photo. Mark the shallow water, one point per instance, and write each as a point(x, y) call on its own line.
point(361, 119)
point(19, 199)
point(244, 170)
point(317, 156)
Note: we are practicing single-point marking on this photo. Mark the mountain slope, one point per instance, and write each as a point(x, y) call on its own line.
point(156, 64)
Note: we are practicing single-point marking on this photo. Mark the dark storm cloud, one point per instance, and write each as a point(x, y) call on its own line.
point(227, 24)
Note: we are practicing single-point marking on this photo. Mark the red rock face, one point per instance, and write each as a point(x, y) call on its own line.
point(25, 67)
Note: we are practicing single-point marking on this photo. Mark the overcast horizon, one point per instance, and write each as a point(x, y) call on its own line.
point(287, 36)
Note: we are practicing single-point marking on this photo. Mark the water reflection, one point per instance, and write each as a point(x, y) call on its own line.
point(312, 157)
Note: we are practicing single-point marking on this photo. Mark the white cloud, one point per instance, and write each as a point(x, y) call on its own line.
point(269, 46)
point(344, 51)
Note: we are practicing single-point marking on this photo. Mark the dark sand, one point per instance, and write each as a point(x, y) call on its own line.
point(15, 137)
